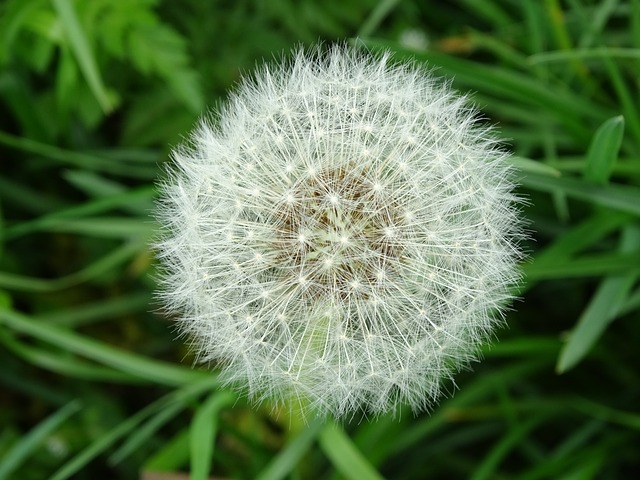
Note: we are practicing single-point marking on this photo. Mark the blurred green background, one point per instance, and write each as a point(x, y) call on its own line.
point(93, 382)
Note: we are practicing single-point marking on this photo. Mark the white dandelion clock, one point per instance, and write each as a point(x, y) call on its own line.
point(343, 235)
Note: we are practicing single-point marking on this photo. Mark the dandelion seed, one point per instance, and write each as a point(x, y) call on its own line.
point(357, 229)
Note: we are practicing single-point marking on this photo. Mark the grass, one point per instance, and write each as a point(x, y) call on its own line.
point(94, 382)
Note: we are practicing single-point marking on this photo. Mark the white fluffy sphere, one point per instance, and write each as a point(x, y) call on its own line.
point(343, 234)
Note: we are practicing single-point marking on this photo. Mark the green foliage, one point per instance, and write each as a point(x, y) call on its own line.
point(78, 43)
point(94, 93)
point(604, 149)
point(346, 458)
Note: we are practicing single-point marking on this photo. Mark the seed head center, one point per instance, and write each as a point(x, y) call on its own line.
point(342, 231)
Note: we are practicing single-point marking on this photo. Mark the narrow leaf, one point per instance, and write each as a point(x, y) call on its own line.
point(584, 53)
point(620, 197)
point(102, 227)
point(94, 270)
point(154, 370)
point(171, 456)
point(473, 394)
point(627, 98)
point(533, 166)
point(80, 47)
point(93, 184)
point(144, 433)
point(107, 439)
point(69, 366)
point(344, 455)
point(603, 151)
point(582, 236)
point(204, 427)
point(138, 200)
point(627, 419)
point(27, 445)
point(375, 18)
point(86, 161)
point(605, 305)
point(586, 266)
point(487, 468)
point(284, 463)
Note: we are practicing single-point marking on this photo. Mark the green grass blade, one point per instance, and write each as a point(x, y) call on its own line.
point(593, 463)
point(487, 468)
point(482, 388)
point(173, 454)
point(101, 227)
point(579, 457)
point(596, 21)
point(80, 47)
point(2, 231)
point(70, 468)
point(27, 445)
point(627, 167)
point(489, 10)
point(526, 165)
point(632, 303)
point(603, 151)
point(101, 266)
point(93, 184)
point(635, 22)
point(582, 236)
point(628, 99)
point(144, 432)
point(138, 200)
point(371, 437)
point(565, 246)
point(83, 314)
point(602, 309)
point(204, 427)
point(378, 14)
point(630, 420)
point(29, 199)
point(68, 366)
point(584, 53)
point(344, 455)
point(19, 100)
point(605, 305)
point(79, 159)
point(535, 24)
point(106, 440)
point(620, 197)
point(287, 459)
point(522, 347)
point(154, 370)
point(557, 22)
point(586, 266)
point(498, 47)
point(577, 440)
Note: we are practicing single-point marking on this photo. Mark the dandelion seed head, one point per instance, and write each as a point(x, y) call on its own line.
point(344, 236)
